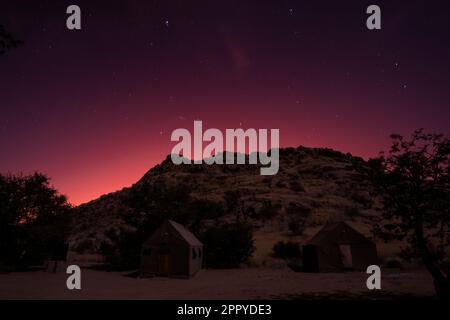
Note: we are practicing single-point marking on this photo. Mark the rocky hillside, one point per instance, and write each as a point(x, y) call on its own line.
point(313, 186)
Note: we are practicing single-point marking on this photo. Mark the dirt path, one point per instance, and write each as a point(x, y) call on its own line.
point(210, 284)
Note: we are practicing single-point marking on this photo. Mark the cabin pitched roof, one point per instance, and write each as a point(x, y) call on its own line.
point(177, 230)
point(188, 236)
point(337, 232)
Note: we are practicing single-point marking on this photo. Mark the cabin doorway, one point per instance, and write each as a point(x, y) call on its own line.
point(346, 256)
point(310, 259)
point(164, 260)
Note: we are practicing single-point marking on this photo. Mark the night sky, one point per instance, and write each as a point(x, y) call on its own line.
point(94, 108)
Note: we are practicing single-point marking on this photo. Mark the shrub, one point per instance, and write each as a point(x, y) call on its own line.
point(361, 198)
point(298, 209)
point(393, 263)
point(232, 200)
point(286, 250)
point(84, 246)
point(268, 210)
point(297, 225)
point(352, 212)
point(123, 253)
point(227, 245)
point(281, 184)
point(296, 186)
point(267, 181)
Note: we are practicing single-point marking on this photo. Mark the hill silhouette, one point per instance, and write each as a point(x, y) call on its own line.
point(312, 187)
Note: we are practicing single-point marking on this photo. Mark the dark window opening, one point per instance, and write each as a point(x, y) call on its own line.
point(194, 254)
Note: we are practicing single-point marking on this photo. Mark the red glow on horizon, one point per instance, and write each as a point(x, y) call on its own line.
point(82, 188)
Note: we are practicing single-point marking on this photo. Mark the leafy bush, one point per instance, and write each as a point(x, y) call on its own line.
point(352, 212)
point(297, 225)
point(296, 186)
point(281, 184)
point(268, 181)
point(268, 210)
point(84, 246)
point(286, 250)
point(123, 253)
point(232, 200)
point(361, 198)
point(298, 209)
point(297, 214)
point(227, 245)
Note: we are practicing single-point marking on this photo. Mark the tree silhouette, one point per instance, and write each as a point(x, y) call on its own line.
point(34, 220)
point(415, 186)
point(7, 41)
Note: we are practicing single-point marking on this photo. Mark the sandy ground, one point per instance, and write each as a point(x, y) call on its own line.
point(254, 283)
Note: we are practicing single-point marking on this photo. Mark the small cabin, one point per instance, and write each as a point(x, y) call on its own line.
point(338, 247)
point(171, 251)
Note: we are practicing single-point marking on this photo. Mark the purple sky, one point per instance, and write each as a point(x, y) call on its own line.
point(94, 108)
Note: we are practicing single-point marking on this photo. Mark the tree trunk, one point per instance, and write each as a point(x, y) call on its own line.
point(441, 280)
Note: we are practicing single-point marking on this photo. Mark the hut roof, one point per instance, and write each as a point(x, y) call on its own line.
point(339, 232)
